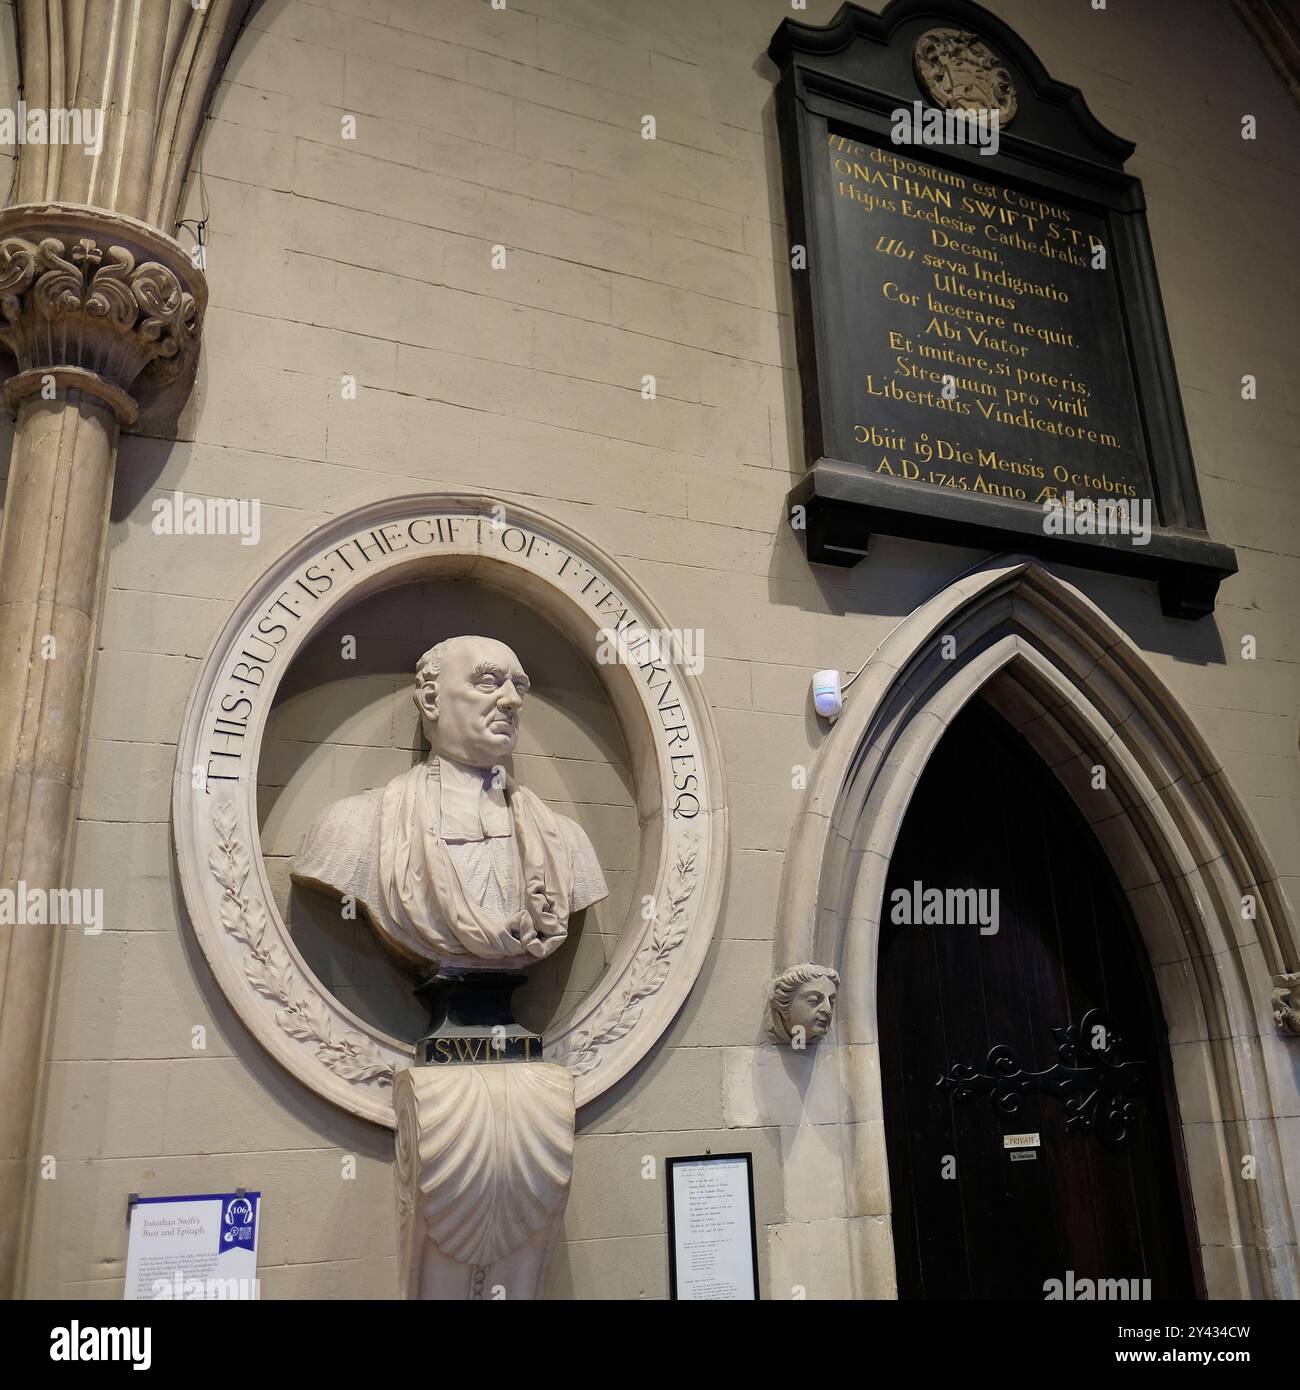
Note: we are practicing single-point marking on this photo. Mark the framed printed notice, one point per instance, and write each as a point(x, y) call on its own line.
point(200, 1247)
point(712, 1241)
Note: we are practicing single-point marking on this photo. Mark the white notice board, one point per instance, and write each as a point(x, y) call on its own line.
point(200, 1247)
point(713, 1246)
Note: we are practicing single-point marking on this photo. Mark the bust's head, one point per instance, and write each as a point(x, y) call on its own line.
point(468, 691)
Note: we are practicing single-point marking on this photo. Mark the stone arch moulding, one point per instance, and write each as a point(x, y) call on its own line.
point(1183, 847)
point(666, 721)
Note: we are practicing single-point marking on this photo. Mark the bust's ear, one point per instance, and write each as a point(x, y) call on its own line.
point(426, 700)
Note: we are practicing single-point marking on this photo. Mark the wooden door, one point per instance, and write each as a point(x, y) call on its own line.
point(1104, 1195)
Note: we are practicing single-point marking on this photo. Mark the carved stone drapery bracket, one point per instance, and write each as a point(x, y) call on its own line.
point(484, 1161)
point(92, 299)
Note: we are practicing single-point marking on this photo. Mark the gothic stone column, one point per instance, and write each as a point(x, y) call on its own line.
point(90, 301)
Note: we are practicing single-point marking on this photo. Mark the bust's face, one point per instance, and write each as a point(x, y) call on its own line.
point(812, 1007)
point(481, 686)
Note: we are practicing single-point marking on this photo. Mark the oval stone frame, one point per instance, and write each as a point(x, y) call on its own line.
point(665, 720)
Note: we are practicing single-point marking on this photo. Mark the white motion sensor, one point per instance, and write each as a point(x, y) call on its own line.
point(828, 698)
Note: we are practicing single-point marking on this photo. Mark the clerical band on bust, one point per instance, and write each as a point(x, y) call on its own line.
point(455, 864)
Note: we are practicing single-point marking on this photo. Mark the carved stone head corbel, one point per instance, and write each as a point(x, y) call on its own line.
point(801, 1003)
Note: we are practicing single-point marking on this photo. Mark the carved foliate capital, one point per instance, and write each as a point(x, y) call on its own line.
point(1286, 1003)
point(94, 299)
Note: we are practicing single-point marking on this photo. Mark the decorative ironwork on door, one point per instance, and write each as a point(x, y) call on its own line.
point(1100, 1091)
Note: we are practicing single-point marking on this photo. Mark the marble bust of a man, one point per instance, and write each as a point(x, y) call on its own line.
point(456, 865)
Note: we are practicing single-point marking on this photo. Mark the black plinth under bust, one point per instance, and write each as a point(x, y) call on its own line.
point(471, 1019)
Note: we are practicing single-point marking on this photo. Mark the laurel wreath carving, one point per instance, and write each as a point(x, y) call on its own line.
point(649, 970)
point(270, 971)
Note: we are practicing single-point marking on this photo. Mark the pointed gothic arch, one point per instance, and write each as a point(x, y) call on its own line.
point(1182, 846)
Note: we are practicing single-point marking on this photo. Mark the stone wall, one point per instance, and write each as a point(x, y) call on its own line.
point(372, 258)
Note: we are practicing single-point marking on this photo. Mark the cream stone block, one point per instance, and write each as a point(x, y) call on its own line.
point(165, 624)
point(601, 352)
point(426, 99)
point(1278, 819)
point(587, 55)
point(361, 34)
point(1282, 1066)
point(365, 1279)
point(726, 1007)
point(1214, 1162)
point(734, 276)
point(127, 781)
point(287, 65)
point(511, 32)
point(93, 1290)
point(786, 690)
point(139, 697)
point(624, 1267)
point(579, 97)
point(543, 283)
point(132, 864)
point(605, 146)
point(554, 399)
point(165, 995)
point(731, 97)
point(860, 1075)
point(266, 160)
point(296, 1281)
point(1199, 1095)
point(782, 1086)
point(816, 1161)
point(768, 748)
point(247, 405)
point(1179, 984)
point(678, 1087)
point(1162, 931)
point(355, 180)
point(327, 1200)
point(1234, 1271)
point(214, 1104)
point(749, 911)
point(86, 1008)
point(1229, 731)
point(104, 1110)
point(872, 1244)
point(758, 821)
point(673, 213)
point(697, 320)
point(810, 1259)
point(550, 230)
point(324, 352)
